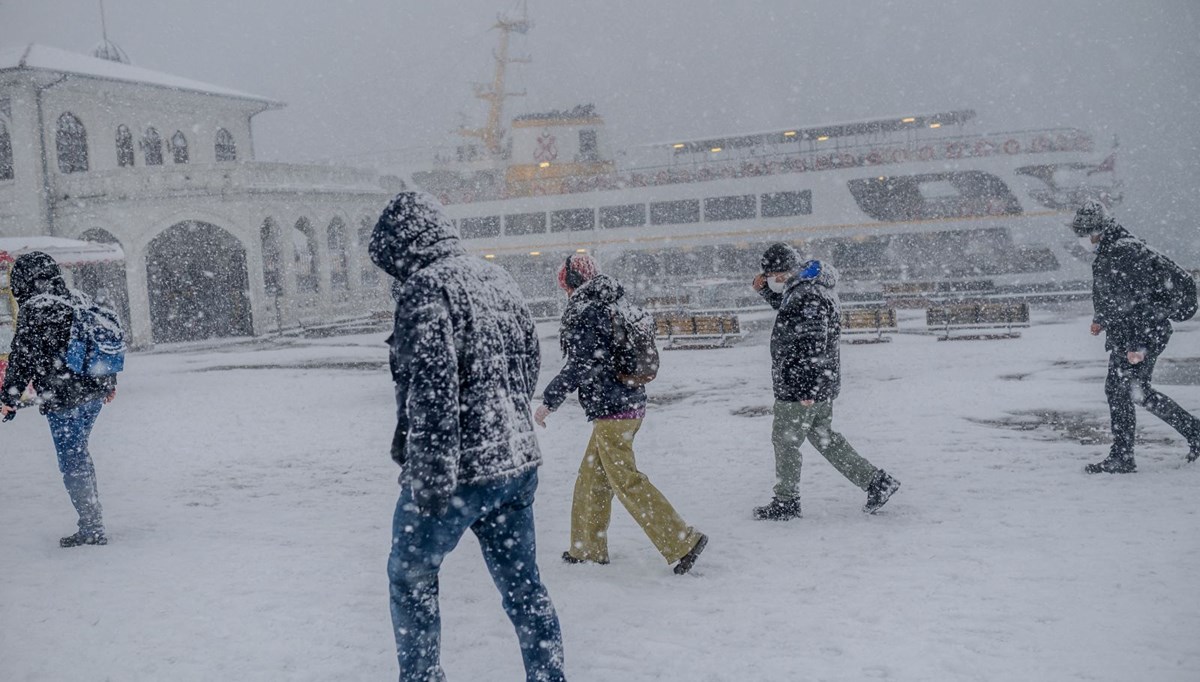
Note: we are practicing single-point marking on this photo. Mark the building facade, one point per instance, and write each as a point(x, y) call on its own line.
point(216, 243)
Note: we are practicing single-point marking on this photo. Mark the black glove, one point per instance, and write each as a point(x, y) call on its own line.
point(399, 442)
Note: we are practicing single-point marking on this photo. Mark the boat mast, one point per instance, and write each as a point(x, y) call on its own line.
point(492, 133)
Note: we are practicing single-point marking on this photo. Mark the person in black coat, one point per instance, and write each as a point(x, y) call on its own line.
point(1129, 304)
point(616, 410)
point(465, 361)
point(70, 401)
point(806, 379)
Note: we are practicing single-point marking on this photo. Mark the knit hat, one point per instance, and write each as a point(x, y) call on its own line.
point(1091, 218)
point(780, 257)
point(583, 269)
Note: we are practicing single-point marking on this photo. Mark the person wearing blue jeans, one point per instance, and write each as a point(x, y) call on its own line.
point(501, 516)
point(70, 400)
point(464, 356)
point(70, 429)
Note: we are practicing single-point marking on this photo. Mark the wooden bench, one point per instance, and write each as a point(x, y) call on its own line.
point(697, 331)
point(911, 294)
point(868, 325)
point(977, 320)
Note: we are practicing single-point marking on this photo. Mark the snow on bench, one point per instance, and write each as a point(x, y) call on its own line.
point(869, 322)
point(679, 331)
point(980, 320)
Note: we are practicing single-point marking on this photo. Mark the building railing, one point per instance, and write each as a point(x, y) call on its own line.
point(231, 178)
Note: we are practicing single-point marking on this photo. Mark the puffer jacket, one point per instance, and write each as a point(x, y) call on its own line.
point(587, 340)
point(805, 358)
point(464, 356)
point(39, 346)
point(1128, 293)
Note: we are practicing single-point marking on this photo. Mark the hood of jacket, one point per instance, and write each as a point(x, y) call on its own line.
point(412, 233)
point(815, 273)
point(36, 273)
point(601, 288)
point(1111, 236)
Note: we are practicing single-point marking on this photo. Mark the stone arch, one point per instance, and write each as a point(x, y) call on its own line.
point(198, 284)
point(105, 282)
point(308, 263)
point(339, 258)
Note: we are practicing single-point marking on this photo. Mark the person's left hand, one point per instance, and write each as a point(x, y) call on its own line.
point(1134, 357)
point(110, 397)
point(7, 412)
point(540, 414)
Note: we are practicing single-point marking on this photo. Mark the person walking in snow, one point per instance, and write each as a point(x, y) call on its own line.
point(1135, 293)
point(465, 361)
point(806, 378)
point(616, 408)
point(71, 401)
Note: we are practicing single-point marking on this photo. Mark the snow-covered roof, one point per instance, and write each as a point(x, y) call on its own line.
point(44, 58)
point(63, 251)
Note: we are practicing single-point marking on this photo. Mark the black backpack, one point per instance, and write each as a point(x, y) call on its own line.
point(1174, 288)
point(633, 349)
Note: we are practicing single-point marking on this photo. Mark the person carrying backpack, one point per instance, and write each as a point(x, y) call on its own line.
point(70, 398)
point(1136, 294)
point(594, 337)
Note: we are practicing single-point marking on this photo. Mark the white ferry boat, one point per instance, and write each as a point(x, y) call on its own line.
point(923, 203)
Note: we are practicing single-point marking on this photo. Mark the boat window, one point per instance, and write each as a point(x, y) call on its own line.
point(572, 220)
point(478, 228)
point(730, 208)
point(589, 151)
point(628, 215)
point(675, 212)
point(779, 204)
point(525, 223)
point(934, 195)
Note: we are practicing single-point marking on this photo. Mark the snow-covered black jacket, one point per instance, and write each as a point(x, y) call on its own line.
point(805, 359)
point(1127, 293)
point(39, 347)
point(464, 357)
point(587, 339)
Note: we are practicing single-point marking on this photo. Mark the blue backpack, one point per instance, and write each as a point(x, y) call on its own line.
point(97, 344)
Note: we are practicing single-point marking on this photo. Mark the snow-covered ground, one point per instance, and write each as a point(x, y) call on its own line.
point(248, 496)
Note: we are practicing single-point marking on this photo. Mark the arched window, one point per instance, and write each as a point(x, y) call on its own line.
point(6, 160)
point(124, 147)
point(179, 147)
point(339, 258)
point(152, 147)
point(71, 141)
point(226, 147)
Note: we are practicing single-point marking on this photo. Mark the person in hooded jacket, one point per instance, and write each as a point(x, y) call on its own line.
point(1128, 293)
point(70, 401)
point(465, 361)
point(616, 410)
point(806, 379)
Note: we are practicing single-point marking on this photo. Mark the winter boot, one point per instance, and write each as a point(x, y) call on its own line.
point(685, 564)
point(780, 509)
point(1112, 465)
point(880, 489)
point(81, 538)
point(569, 559)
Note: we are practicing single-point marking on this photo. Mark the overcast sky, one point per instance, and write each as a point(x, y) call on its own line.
point(361, 76)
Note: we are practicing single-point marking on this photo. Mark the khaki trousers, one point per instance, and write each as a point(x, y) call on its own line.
point(608, 468)
point(793, 424)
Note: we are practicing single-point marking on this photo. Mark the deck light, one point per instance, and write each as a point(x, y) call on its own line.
point(910, 119)
point(535, 253)
point(490, 256)
point(790, 133)
point(679, 145)
point(822, 138)
point(544, 164)
point(715, 150)
point(935, 125)
point(580, 250)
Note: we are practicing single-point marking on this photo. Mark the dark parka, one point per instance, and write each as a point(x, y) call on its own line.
point(805, 359)
point(39, 346)
point(586, 337)
point(1128, 293)
point(464, 357)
